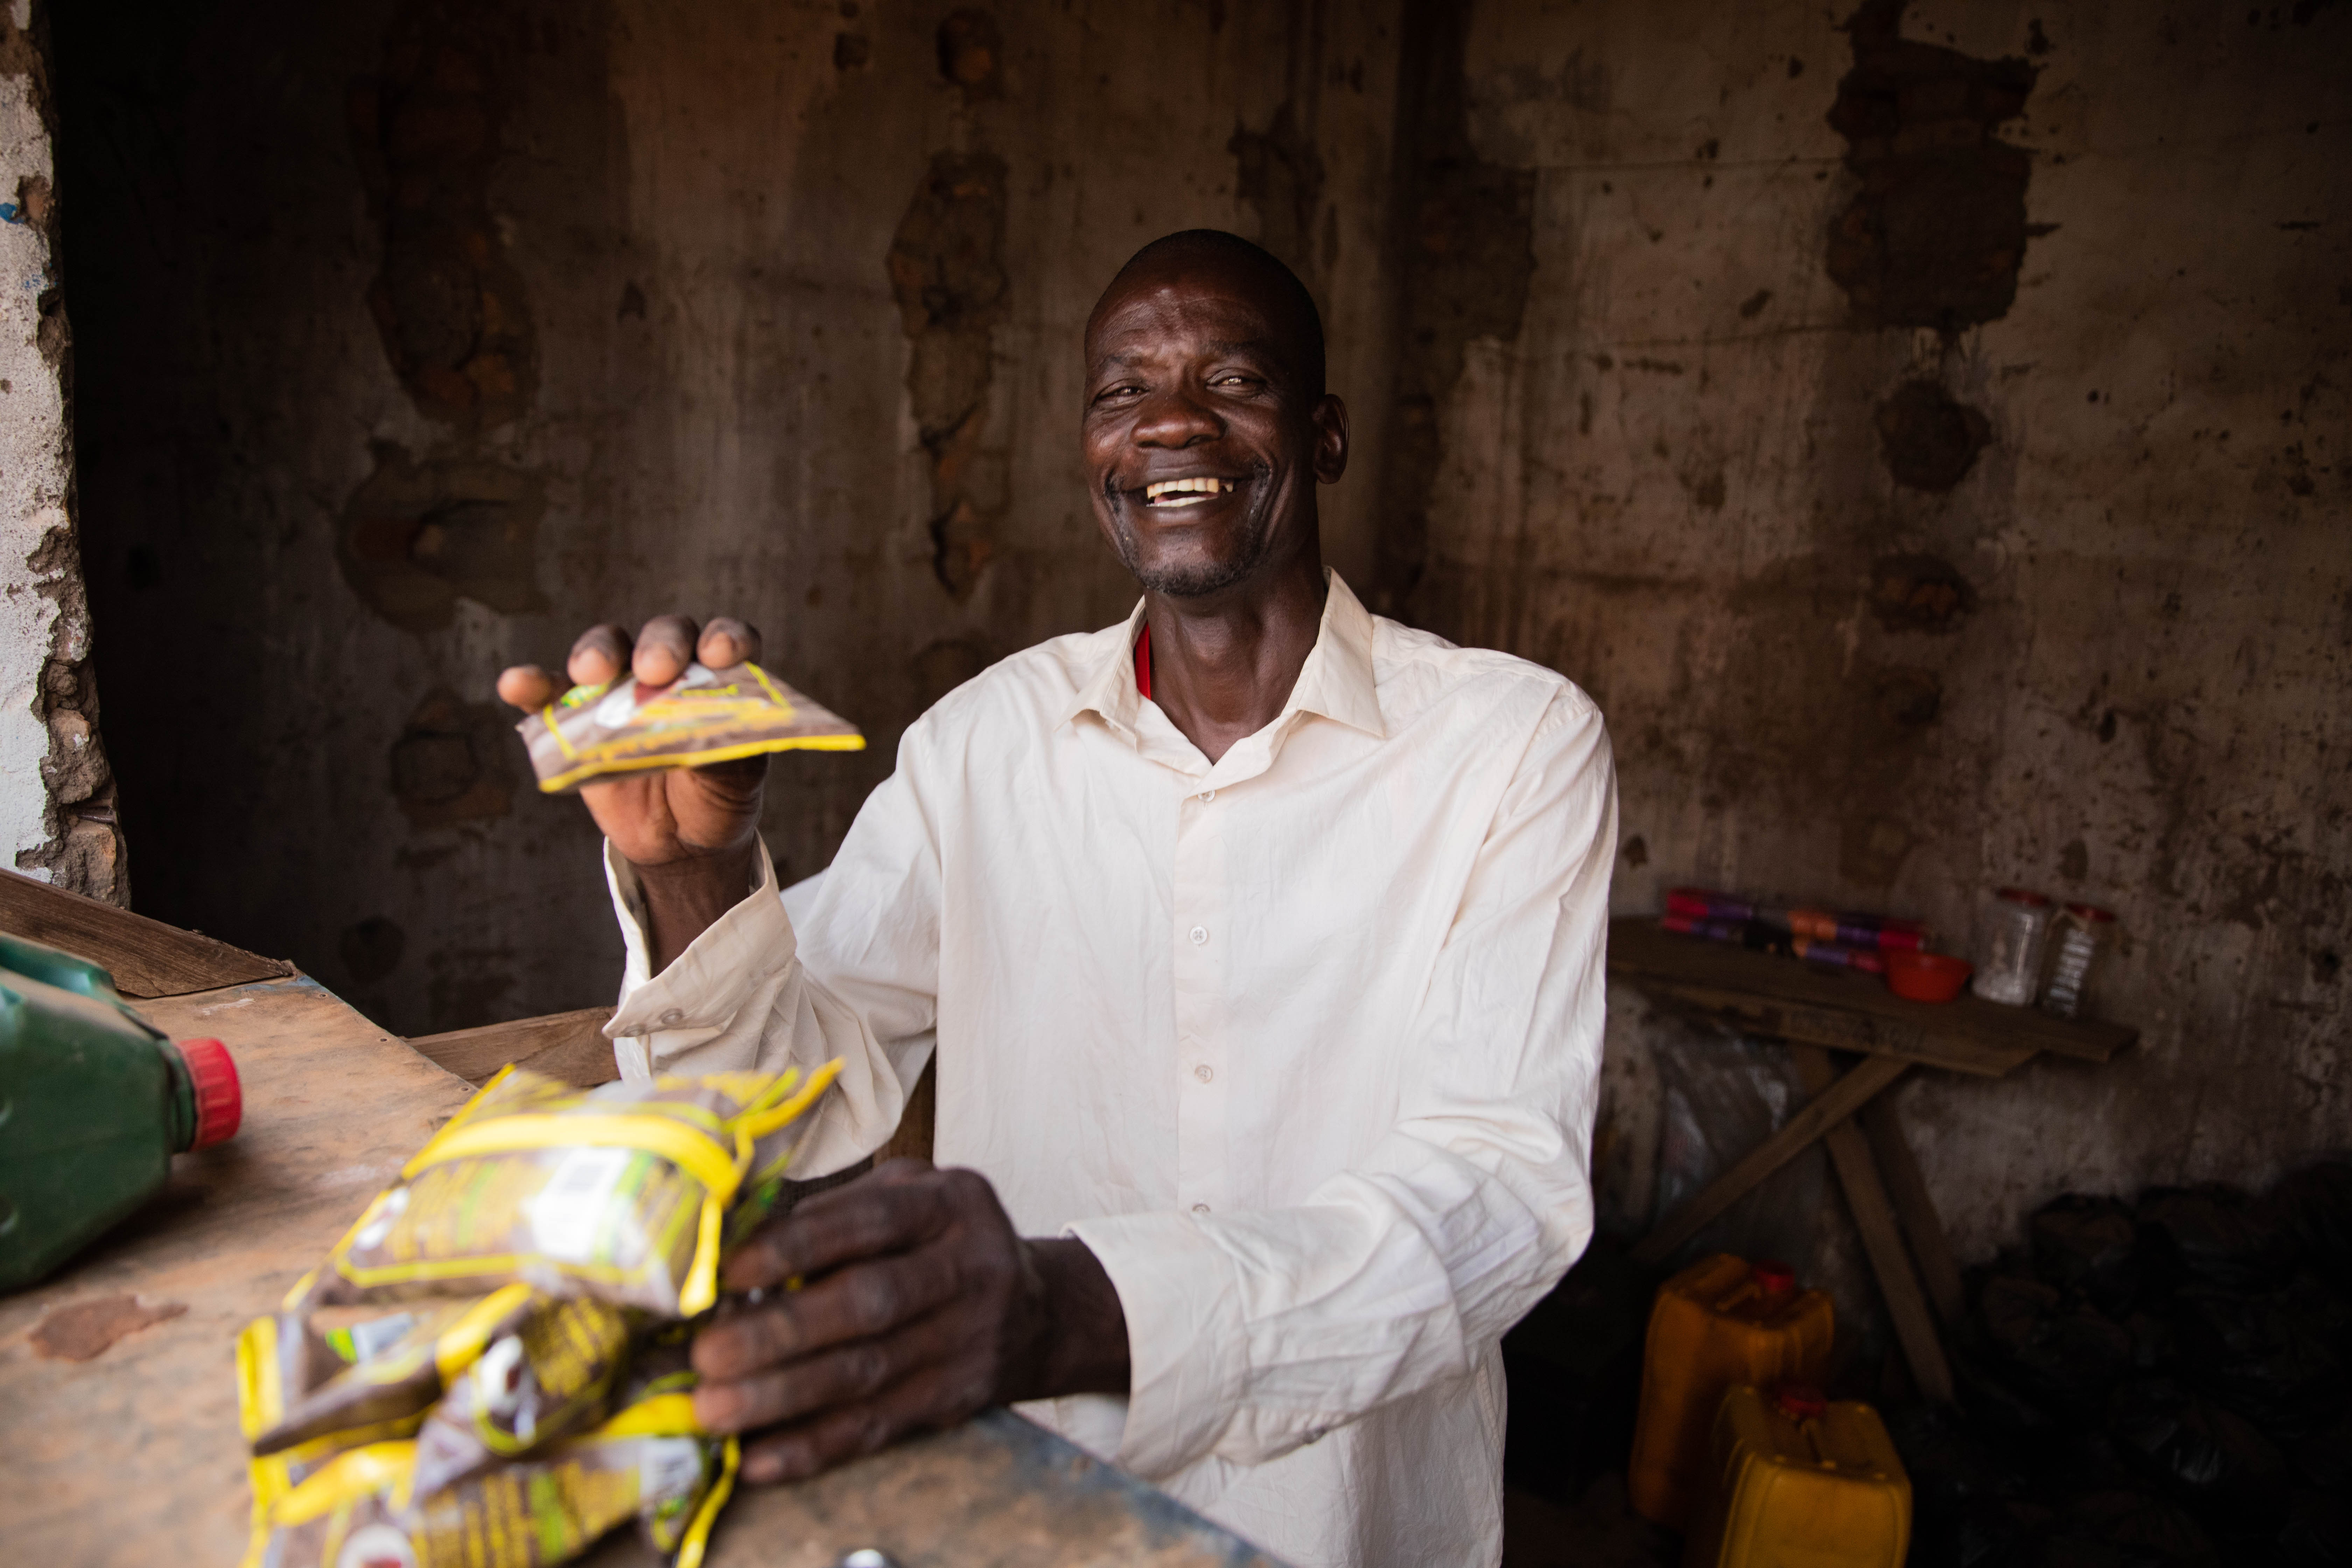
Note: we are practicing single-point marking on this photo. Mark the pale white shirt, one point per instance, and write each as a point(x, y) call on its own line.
point(1302, 1043)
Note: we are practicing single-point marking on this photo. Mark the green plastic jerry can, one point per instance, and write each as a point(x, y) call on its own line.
point(93, 1104)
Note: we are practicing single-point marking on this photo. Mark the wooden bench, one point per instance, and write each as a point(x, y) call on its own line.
point(1815, 1011)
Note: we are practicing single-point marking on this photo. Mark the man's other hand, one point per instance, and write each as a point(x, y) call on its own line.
point(920, 1307)
point(689, 831)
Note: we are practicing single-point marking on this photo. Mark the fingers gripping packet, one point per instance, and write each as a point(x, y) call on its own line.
point(620, 1193)
point(704, 716)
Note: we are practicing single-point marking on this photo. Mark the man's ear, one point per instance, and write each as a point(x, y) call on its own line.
point(1330, 421)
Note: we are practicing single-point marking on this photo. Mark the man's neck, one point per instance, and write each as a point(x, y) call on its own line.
point(1222, 665)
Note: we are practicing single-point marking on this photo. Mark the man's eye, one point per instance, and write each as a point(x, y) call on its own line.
point(1234, 378)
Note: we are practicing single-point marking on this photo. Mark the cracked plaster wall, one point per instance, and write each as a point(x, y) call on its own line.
point(1901, 575)
point(1922, 431)
point(56, 793)
point(421, 335)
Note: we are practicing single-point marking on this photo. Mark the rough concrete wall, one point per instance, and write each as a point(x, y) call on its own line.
point(421, 333)
point(57, 794)
point(1923, 429)
point(1924, 433)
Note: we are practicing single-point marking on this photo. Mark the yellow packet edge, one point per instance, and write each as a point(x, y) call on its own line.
point(605, 767)
point(697, 1538)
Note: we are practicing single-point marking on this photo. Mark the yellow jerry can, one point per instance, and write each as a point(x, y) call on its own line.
point(1802, 1483)
point(1721, 1321)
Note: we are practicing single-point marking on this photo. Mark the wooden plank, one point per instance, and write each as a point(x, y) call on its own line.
point(1817, 1116)
point(1874, 1217)
point(147, 958)
point(997, 1492)
point(1930, 1246)
point(135, 1456)
point(1848, 1011)
point(567, 1045)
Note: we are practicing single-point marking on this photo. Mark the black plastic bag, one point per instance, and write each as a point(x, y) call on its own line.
point(2202, 1454)
point(2061, 1353)
point(2276, 1359)
point(2324, 1459)
point(2127, 1530)
point(2090, 1245)
point(2316, 1205)
point(2217, 1236)
point(2317, 1531)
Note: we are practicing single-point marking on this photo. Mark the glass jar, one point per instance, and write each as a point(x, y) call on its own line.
point(2009, 947)
point(2082, 931)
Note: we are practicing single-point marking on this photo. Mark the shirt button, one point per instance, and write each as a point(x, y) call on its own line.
point(671, 1019)
point(1203, 1073)
point(1207, 795)
point(1200, 935)
point(1200, 1208)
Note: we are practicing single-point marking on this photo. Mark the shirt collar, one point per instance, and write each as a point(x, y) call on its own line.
point(1336, 681)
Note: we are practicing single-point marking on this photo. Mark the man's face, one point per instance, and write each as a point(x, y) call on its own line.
point(1202, 445)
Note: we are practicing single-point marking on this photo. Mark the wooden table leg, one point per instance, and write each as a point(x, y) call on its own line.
point(1930, 1247)
point(1874, 1215)
point(1828, 1107)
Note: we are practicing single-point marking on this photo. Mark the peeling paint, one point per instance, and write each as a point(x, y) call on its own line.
point(1462, 254)
point(946, 271)
point(449, 304)
point(57, 805)
point(1936, 233)
point(417, 536)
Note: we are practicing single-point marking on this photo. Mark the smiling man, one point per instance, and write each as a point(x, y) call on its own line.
point(1259, 940)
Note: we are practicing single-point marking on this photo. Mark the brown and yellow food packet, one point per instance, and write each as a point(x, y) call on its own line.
point(704, 716)
point(549, 1375)
point(620, 1193)
point(648, 1462)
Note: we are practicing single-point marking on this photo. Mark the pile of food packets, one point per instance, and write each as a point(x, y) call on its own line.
point(490, 1368)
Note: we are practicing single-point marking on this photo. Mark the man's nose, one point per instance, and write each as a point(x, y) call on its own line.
point(1173, 420)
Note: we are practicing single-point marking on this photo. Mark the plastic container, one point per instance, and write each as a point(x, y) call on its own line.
point(1800, 1481)
point(1718, 1323)
point(93, 1104)
point(1926, 976)
point(2083, 931)
point(2009, 947)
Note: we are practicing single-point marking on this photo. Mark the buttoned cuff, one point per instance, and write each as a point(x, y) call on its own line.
point(1186, 1340)
point(736, 961)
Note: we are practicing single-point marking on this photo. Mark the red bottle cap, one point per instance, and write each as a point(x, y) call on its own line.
point(220, 1099)
point(2090, 914)
point(2026, 896)
point(1800, 1402)
point(1773, 1279)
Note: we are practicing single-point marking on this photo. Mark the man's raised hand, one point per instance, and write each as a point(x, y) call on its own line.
point(691, 833)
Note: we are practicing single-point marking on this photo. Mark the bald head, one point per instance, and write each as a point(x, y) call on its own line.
point(1235, 266)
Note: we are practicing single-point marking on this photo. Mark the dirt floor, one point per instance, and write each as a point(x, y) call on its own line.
point(1599, 1530)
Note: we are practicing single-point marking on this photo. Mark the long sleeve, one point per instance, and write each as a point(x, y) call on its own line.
point(1254, 1333)
point(739, 995)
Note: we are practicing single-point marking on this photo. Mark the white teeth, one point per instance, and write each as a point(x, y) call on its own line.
point(1203, 485)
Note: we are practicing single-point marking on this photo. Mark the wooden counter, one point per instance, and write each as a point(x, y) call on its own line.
point(133, 1453)
point(117, 1407)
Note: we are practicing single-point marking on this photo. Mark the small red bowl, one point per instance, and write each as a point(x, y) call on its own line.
point(1926, 976)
